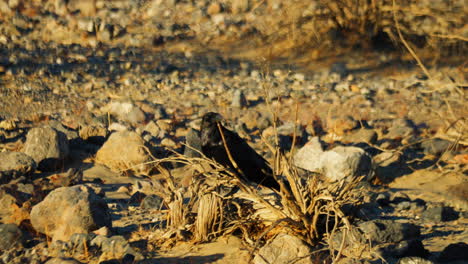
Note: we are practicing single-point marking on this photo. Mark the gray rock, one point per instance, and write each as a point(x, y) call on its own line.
point(115, 247)
point(10, 236)
point(238, 99)
point(79, 243)
point(284, 248)
point(15, 164)
point(387, 231)
point(400, 128)
point(193, 144)
point(454, 252)
point(346, 163)
point(336, 164)
point(47, 146)
point(414, 260)
point(71, 134)
point(308, 157)
point(69, 210)
point(435, 146)
point(439, 214)
point(125, 111)
point(151, 201)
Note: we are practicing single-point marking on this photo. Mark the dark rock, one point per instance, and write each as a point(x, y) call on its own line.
point(387, 231)
point(115, 247)
point(438, 214)
point(47, 146)
point(151, 201)
point(15, 164)
point(193, 144)
point(137, 197)
point(454, 252)
point(10, 236)
point(383, 199)
point(407, 248)
point(435, 146)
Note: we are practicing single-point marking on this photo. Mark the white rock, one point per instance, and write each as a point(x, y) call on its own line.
point(284, 249)
point(336, 164)
point(345, 163)
point(308, 157)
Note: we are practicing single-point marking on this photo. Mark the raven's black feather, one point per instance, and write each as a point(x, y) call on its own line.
point(253, 166)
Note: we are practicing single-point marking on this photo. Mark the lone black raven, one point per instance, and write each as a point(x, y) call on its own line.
point(249, 163)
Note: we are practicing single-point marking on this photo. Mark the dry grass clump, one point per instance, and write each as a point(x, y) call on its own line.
point(298, 25)
point(213, 206)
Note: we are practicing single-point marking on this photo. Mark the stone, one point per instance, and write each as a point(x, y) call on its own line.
point(414, 260)
point(407, 248)
point(7, 204)
point(86, 7)
point(439, 214)
point(10, 236)
point(238, 99)
point(284, 248)
point(454, 252)
point(336, 164)
point(193, 144)
point(387, 231)
point(214, 8)
point(60, 7)
point(79, 243)
point(240, 6)
point(388, 166)
point(346, 163)
point(93, 134)
point(435, 146)
point(15, 164)
point(71, 177)
point(361, 135)
point(62, 261)
point(307, 157)
point(69, 210)
point(152, 129)
point(401, 128)
point(151, 201)
point(47, 146)
point(8, 125)
point(125, 151)
point(125, 111)
point(115, 247)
